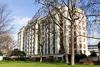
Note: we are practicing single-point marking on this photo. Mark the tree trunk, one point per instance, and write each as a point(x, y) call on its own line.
point(72, 44)
point(40, 54)
point(40, 58)
point(65, 41)
point(66, 58)
point(71, 6)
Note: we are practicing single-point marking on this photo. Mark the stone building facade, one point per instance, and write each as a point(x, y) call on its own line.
point(46, 37)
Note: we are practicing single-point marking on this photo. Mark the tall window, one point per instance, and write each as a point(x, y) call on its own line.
point(75, 46)
point(80, 45)
point(84, 46)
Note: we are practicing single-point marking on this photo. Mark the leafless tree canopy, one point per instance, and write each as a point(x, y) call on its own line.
point(6, 40)
point(91, 10)
point(4, 19)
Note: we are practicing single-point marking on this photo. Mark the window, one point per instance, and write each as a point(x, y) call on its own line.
point(75, 51)
point(74, 32)
point(54, 49)
point(80, 39)
point(75, 46)
point(80, 45)
point(69, 45)
point(69, 39)
point(69, 32)
point(75, 39)
point(79, 33)
point(74, 26)
point(84, 33)
point(84, 28)
point(79, 27)
point(84, 46)
point(84, 40)
point(81, 51)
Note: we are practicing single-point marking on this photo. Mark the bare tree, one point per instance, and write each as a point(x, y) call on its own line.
point(6, 43)
point(4, 19)
point(53, 5)
point(42, 33)
point(41, 41)
point(5, 38)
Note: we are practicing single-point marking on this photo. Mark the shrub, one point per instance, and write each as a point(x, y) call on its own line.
point(23, 53)
point(93, 54)
point(6, 58)
point(18, 55)
point(77, 58)
point(17, 52)
point(82, 56)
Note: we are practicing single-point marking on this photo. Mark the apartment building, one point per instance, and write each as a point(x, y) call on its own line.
point(47, 37)
point(30, 39)
point(21, 38)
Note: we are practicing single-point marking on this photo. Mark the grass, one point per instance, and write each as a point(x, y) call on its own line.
point(37, 64)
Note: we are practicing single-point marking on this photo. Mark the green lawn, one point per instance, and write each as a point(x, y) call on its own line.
point(37, 64)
